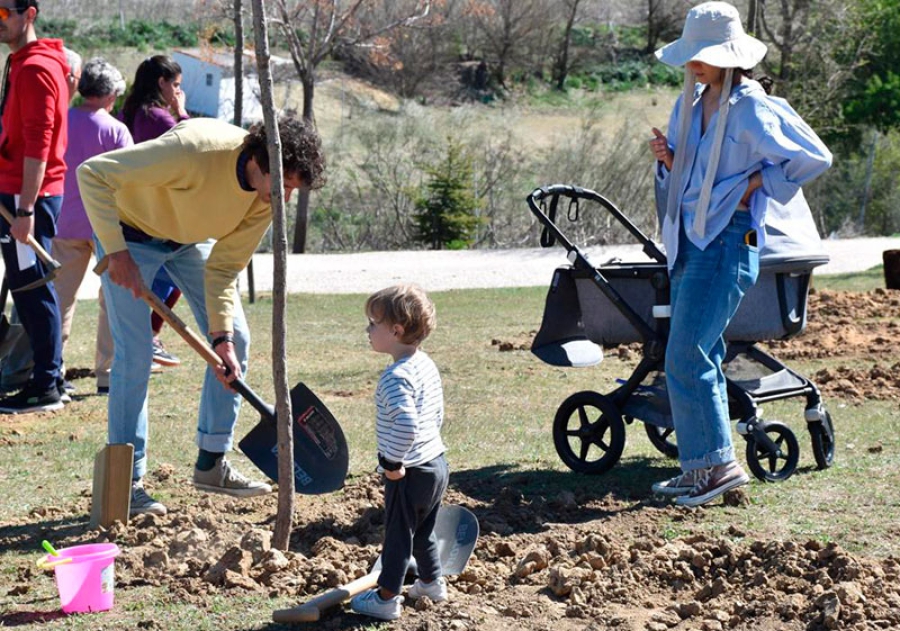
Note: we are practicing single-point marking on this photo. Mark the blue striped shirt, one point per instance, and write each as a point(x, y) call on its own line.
point(409, 406)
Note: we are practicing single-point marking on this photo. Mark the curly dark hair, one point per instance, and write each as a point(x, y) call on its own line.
point(301, 150)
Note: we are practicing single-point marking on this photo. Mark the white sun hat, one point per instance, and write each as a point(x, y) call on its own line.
point(714, 35)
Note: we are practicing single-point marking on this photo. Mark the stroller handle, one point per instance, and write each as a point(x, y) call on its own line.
point(552, 233)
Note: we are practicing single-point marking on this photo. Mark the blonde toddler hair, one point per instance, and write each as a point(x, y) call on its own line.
point(406, 305)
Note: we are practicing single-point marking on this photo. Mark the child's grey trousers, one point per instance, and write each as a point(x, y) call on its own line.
point(410, 511)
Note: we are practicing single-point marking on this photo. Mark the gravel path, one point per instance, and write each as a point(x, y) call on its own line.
point(443, 270)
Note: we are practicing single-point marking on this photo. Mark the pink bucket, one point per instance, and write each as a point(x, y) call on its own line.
point(86, 583)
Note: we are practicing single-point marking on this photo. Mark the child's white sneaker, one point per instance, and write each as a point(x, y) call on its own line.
point(369, 603)
point(436, 590)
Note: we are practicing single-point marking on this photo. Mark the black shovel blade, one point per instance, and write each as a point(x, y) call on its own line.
point(321, 457)
point(456, 530)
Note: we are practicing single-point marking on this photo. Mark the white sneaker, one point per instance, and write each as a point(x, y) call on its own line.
point(369, 603)
point(436, 590)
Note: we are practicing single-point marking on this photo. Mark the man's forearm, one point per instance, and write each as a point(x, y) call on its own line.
point(32, 178)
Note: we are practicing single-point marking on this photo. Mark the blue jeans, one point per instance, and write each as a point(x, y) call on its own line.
point(129, 322)
point(706, 288)
point(38, 308)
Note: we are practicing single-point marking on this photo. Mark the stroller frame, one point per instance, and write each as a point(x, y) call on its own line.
point(589, 422)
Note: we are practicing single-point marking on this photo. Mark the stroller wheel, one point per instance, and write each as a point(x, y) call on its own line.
point(772, 451)
point(663, 438)
point(589, 432)
point(822, 434)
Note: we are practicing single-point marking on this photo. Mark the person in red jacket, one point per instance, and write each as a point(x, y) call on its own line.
point(33, 114)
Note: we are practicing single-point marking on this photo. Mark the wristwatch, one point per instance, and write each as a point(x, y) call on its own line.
point(24, 212)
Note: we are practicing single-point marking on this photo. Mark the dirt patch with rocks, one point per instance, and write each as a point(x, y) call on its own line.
point(575, 561)
point(537, 565)
point(860, 330)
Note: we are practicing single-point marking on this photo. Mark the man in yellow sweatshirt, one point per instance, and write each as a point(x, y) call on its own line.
point(196, 201)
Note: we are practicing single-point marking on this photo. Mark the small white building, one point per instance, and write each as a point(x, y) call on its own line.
point(208, 81)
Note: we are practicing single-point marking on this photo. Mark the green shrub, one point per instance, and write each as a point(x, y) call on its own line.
point(573, 83)
point(140, 34)
point(661, 74)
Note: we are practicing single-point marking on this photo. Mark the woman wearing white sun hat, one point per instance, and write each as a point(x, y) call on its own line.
point(730, 150)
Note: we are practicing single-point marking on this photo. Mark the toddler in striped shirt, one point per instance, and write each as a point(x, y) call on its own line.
point(409, 404)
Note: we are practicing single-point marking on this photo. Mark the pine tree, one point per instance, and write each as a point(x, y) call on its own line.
point(445, 214)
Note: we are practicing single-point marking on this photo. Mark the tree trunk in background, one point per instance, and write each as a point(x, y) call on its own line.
point(561, 67)
point(301, 225)
point(238, 120)
point(753, 18)
point(891, 260)
point(284, 517)
point(238, 63)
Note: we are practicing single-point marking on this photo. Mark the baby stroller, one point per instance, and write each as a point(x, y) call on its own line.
point(590, 307)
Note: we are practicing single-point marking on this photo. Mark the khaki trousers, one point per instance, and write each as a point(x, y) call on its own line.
point(75, 256)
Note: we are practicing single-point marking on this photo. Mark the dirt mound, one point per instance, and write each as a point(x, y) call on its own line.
point(535, 566)
point(857, 329)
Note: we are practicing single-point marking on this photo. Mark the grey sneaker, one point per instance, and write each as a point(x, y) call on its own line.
point(142, 503)
point(713, 482)
point(681, 484)
point(161, 356)
point(369, 603)
point(436, 590)
point(222, 478)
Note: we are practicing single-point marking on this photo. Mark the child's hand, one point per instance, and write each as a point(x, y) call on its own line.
point(393, 476)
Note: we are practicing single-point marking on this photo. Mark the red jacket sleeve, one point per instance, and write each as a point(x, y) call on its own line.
point(38, 98)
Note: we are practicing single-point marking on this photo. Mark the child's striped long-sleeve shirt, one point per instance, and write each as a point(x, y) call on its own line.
point(409, 403)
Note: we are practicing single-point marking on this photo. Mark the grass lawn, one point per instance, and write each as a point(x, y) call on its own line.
point(500, 407)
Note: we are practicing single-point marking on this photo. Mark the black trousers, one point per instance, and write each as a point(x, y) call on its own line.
point(411, 506)
point(38, 308)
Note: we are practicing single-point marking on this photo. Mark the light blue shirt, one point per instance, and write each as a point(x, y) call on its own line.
point(762, 133)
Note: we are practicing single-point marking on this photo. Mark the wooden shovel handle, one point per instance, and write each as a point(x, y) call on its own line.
point(40, 251)
point(171, 318)
point(312, 610)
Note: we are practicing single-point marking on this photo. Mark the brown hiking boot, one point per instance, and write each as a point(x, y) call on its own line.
point(713, 482)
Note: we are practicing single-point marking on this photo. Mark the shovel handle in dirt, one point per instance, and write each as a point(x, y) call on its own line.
point(41, 253)
point(456, 530)
point(321, 455)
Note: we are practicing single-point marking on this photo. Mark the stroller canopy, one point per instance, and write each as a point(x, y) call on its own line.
point(792, 240)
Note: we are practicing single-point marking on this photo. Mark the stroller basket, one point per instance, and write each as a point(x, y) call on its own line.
point(589, 307)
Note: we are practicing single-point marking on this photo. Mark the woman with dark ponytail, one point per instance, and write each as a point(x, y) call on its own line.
point(155, 104)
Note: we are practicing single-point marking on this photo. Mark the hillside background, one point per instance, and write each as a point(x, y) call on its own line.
point(527, 93)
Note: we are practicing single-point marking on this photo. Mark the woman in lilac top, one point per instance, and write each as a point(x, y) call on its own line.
point(156, 101)
point(92, 131)
point(155, 105)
